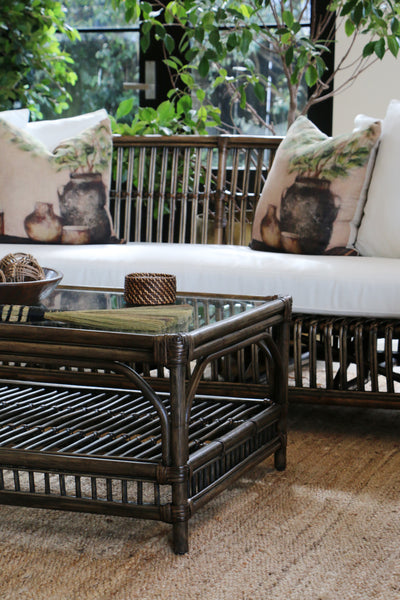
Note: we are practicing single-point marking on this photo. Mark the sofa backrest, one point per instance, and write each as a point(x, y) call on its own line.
point(188, 189)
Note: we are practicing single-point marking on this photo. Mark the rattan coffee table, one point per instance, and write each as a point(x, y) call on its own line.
point(147, 425)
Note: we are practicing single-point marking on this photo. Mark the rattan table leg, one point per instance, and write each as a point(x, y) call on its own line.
point(180, 537)
point(280, 458)
point(179, 458)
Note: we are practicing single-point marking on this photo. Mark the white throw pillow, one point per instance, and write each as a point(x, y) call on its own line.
point(52, 133)
point(18, 118)
point(378, 234)
point(363, 121)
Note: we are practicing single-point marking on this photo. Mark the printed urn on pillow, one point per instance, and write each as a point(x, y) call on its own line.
point(57, 195)
point(312, 200)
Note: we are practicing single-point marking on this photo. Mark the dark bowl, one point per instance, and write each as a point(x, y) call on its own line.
point(29, 293)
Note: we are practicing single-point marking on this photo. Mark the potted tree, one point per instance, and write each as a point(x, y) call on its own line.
point(217, 34)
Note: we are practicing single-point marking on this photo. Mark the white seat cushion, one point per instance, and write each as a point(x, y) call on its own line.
point(360, 286)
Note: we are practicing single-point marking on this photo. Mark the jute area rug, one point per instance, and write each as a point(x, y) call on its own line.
point(327, 528)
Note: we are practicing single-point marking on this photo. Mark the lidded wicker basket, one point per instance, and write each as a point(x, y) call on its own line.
point(150, 288)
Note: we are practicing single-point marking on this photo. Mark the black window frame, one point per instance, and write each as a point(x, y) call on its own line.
point(321, 113)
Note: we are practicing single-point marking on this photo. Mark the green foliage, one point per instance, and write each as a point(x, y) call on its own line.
point(170, 117)
point(249, 58)
point(221, 43)
point(33, 68)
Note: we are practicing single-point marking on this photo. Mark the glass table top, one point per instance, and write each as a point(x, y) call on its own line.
point(110, 311)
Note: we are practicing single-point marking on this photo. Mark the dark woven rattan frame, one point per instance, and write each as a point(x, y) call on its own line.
point(89, 422)
point(220, 179)
point(351, 361)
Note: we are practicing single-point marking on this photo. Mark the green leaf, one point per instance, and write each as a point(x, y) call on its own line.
point(349, 27)
point(393, 45)
point(368, 49)
point(243, 98)
point(146, 8)
point(232, 42)
point(169, 43)
point(166, 111)
point(146, 27)
point(199, 34)
point(124, 108)
point(202, 113)
point(210, 54)
point(204, 67)
point(145, 42)
point(348, 7)
point(394, 25)
point(171, 62)
point(357, 14)
point(286, 38)
point(320, 66)
point(200, 94)
point(187, 79)
point(259, 91)
point(245, 41)
point(289, 55)
point(380, 48)
point(311, 76)
point(214, 37)
point(288, 18)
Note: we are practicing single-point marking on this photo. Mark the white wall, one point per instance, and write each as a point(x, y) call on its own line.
point(370, 94)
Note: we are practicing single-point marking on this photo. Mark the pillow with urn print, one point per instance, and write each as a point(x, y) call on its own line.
point(18, 117)
point(312, 200)
point(57, 195)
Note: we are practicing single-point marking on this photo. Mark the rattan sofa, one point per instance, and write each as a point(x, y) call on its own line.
point(185, 204)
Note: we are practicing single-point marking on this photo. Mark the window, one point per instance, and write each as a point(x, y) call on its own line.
point(111, 67)
point(106, 58)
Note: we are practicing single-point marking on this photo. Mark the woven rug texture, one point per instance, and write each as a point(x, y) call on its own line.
point(327, 528)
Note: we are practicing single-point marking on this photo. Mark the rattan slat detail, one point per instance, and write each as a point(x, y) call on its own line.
point(104, 423)
point(358, 357)
point(162, 185)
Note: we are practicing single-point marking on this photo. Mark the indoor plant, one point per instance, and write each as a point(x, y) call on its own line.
point(214, 32)
point(33, 69)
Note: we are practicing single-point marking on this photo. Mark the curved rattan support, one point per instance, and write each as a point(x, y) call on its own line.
point(152, 397)
point(271, 350)
point(204, 362)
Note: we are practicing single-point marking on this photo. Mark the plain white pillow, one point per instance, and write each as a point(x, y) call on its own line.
point(363, 121)
point(52, 133)
point(18, 118)
point(378, 234)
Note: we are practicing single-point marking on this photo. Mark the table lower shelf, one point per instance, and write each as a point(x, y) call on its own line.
point(99, 449)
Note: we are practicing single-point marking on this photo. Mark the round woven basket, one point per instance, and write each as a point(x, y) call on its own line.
point(150, 288)
point(20, 267)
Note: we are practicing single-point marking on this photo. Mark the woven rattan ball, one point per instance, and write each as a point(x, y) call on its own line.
point(21, 267)
point(150, 288)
